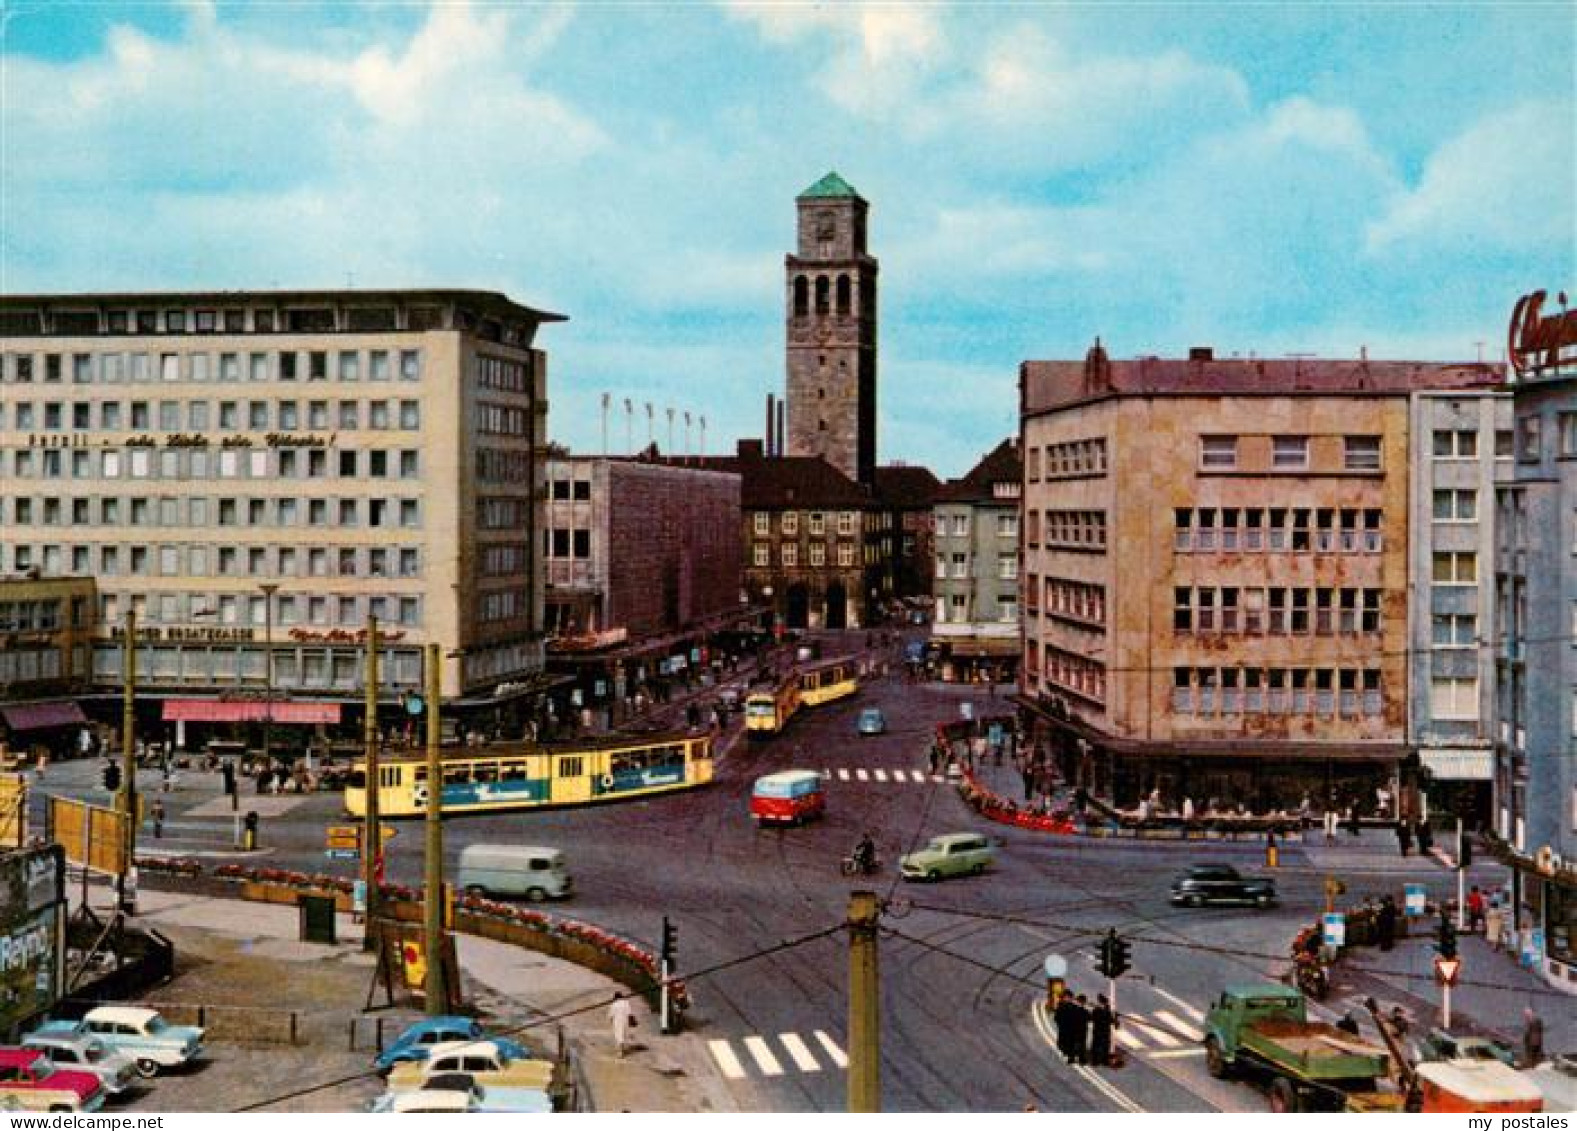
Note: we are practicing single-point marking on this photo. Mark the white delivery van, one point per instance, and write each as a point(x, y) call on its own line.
point(514, 869)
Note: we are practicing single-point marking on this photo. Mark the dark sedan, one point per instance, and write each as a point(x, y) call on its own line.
point(1221, 883)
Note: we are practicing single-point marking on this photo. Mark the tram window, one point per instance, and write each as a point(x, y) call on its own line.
point(487, 772)
point(457, 775)
point(513, 771)
point(572, 767)
point(421, 774)
point(670, 756)
point(389, 775)
point(627, 760)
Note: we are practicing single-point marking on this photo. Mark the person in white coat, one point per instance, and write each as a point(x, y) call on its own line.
point(622, 1018)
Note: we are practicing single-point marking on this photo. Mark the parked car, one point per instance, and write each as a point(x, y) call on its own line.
point(952, 854)
point(28, 1077)
point(1221, 883)
point(76, 1053)
point(459, 1091)
point(1437, 1044)
point(149, 1040)
point(486, 1061)
point(872, 721)
point(418, 1041)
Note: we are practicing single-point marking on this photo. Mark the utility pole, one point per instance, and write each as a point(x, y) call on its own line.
point(433, 888)
point(128, 758)
point(371, 834)
point(865, 1093)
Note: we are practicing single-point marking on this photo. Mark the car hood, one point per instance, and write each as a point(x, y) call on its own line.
point(83, 1084)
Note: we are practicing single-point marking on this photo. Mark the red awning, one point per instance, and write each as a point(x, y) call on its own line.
point(37, 716)
point(248, 711)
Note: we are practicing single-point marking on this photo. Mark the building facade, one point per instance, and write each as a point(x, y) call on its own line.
point(908, 493)
point(1536, 640)
point(255, 474)
point(831, 331)
point(1460, 449)
point(975, 625)
point(1216, 574)
point(46, 658)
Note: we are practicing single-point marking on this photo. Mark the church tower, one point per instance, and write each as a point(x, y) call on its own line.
point(831, 384)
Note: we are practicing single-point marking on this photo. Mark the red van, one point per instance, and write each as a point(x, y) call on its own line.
point(788, 797)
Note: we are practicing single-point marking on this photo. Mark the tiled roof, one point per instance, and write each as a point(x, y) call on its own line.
point(906, 487)
point(780, 482)
point(1048, 384)
point(831, 185)
point(1001, 465)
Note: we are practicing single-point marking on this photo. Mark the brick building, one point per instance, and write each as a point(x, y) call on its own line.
point(1216, 573)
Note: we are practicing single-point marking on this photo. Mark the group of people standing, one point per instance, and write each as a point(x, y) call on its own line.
point(1084, 1033)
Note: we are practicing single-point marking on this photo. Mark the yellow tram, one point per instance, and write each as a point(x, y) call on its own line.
point(526, 775)
point(768, 712)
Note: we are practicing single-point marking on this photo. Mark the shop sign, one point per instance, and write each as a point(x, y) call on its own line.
point(32, 901)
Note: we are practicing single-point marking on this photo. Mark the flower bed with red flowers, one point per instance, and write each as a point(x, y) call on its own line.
point(623, 959)
point(996, 808)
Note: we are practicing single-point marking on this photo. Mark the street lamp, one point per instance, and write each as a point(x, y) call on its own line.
point(269, 588)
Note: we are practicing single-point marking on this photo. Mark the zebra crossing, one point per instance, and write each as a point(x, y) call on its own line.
point(884, 776)
point(759, 1055)
point(1158, 1034)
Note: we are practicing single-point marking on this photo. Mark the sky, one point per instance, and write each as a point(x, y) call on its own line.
point(1262, 178)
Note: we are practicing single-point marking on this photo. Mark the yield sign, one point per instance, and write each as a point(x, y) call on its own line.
point(1447, 969)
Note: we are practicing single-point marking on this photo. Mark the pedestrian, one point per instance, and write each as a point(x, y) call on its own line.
point(1102, 1022)
point(1062, 1017)
point(1404, 836)
point(623, 1020)
point(1423, 836)
point(1475, 909)
point(1495, 925)
point(1353, 826)
point(1027, 772)
point(1532, 1038)
point(1081, 800)
point(1385, 923)
point(1330, 825)
point(1081, 1030)
point(1348, 1023)
point(158, 819)
point(1188, 810)
point(1399, 1023)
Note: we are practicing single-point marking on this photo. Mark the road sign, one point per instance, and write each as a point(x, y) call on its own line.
point(1333, 929)
point(343, 836)
point(1447, 969)
point(1414, 899)
point(341, 853)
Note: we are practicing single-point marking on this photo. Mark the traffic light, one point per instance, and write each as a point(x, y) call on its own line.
point(1464, 850)
point(1446, 937)
point(1114, 952)
point(228, 772)
point(111, 776)
point(670, 942)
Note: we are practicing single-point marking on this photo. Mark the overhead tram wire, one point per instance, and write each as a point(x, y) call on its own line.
point(554, 1018)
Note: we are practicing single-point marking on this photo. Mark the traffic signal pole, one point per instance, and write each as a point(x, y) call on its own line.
point(665, 972)
point(128, 757)
point(433, 889)
point(371, 838)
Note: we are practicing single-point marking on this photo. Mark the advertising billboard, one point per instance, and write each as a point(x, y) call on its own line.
point(32, 933)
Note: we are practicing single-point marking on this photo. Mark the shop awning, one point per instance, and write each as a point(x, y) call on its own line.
point(1459, 764)
point(37, 716)
point(248, 711)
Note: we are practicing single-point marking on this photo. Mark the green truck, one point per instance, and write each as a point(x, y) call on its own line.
point(1263, 1030)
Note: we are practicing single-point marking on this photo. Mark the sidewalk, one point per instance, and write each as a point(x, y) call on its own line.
point(518, 986)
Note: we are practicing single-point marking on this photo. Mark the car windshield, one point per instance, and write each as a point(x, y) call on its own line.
point(759, 710)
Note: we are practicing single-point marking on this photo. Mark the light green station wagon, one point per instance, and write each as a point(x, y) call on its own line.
point(952, 854)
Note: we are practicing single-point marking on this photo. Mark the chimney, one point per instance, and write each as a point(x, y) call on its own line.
point(1201, 353)
point(782, 428)
point(771, 421)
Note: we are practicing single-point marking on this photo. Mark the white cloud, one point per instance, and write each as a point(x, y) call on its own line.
point(1507, 182)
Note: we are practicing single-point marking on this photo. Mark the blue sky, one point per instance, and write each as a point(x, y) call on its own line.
point(1270, 178)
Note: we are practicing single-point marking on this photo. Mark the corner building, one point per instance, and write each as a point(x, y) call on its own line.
point(1216, 574)
point(229, 462)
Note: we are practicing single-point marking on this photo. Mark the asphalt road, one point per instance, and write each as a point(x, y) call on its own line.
point(961, 960)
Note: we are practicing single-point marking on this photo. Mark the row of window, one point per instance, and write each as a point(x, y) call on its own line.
point(39, 615)
point(1322, 611)
point(815, 523)
point(24, 663)
point(502, 420)
point(1070, 600)
point(201, 512)
point(501, 374)
point(573, 490)
point(956, 609)
point(505, 605)
point(1069, 671)
point(1070, 460)
point(816, 555)
point(1297, 530)
point(1462, 443)
point(503, 513)
point(201, 415)
point(305, 668)
point(1287, 453)
point(282, 365)
point(1327, 692)
point(562, 542)
point(496, 466)
point(1069, 530)
point(166, 560)
point(1007, 566)
point(825, 287)
point(192, 465)
point(318, 610)
point(957, 526)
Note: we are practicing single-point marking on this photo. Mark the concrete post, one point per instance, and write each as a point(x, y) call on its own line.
point(864, 1004)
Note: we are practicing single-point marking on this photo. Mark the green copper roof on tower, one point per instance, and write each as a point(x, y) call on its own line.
point(829, 186)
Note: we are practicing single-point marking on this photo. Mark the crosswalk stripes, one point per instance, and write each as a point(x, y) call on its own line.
point(763, 1060)
point(1180, 1025)
point(1158, 1033)
point(888, 776)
